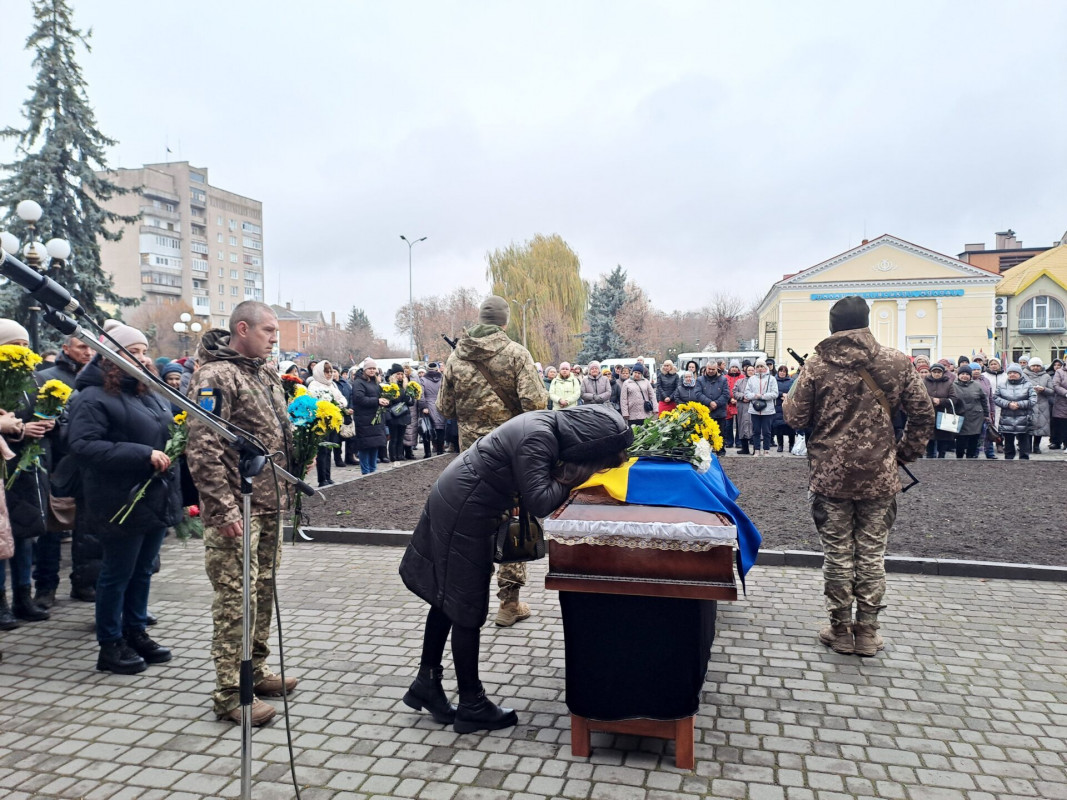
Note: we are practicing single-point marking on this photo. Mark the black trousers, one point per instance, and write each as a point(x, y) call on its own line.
point(396, 441)
point(1024, 444)
point(967, 445)
point(465, 643)
point(323, 467)
point(1059, 431)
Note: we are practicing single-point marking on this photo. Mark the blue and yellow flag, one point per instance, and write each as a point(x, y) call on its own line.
point(659, 482)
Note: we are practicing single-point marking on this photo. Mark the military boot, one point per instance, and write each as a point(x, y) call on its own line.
point(838, 637)
point(428, 692)
point(868, 642)
point(511, 610)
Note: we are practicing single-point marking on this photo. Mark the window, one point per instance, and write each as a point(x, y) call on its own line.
point(253, 261)
point(222, 305)
point(233, 258)
point(167, 241)
point(1042, 313)
point(248, 227)
point(197, 196)
point(234, 275)
point(222, 289)
point(198, 247)
point(233, 291)
point(221, 256)
point(199, 265)
point(233, 224)
point(233, 241)
point(253, 244)
point(218, 237)
point(222, 272)
point(196, 177)
point(1060, 353)
point(218, 220)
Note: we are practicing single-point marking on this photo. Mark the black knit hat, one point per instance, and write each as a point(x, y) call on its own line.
point(849, 314)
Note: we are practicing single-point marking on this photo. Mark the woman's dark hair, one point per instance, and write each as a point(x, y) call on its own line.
point(113, 378)
point(575, 473)
point(696, 366)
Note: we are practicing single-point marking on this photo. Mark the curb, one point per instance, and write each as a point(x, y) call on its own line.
point(906, 565)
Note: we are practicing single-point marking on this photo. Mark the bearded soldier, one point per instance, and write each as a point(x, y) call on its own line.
point(487, 380)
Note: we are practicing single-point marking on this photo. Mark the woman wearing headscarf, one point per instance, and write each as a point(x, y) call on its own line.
point(778, 426)
point(1041, 419)
point(118, 433)
point(322, 387)
point(975, 411)
point(943, 395)
point(540, 456)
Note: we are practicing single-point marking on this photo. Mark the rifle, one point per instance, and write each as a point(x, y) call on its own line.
point(800, 359)
point(451, 342)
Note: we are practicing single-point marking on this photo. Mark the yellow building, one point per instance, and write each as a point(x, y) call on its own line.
point(1032, 298)
point(922, 302)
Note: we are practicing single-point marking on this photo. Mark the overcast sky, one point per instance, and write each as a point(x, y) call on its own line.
point(701, 145)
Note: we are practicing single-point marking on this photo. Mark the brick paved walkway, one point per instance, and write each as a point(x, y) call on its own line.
point(968, 701)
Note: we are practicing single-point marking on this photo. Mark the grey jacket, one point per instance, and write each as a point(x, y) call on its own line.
point(1015, 420)
point(975, 405)
point(1041, 419)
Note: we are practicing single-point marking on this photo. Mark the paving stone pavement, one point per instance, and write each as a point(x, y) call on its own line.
point(968, 701)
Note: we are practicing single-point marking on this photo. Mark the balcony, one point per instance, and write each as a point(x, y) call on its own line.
point(1045, 325)
point(202, 308)
point(160, 213)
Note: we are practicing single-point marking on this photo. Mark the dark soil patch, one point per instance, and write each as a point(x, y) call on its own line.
point(972, 510)
point(391, 500)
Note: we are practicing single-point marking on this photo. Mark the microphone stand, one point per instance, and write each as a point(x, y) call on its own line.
point(253, 458)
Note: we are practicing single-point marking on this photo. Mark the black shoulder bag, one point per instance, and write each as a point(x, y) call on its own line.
point(519, 538)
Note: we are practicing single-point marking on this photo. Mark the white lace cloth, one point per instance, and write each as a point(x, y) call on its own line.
point(691, 534)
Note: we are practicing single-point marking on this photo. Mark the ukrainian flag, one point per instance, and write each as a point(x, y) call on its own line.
point(660, 482)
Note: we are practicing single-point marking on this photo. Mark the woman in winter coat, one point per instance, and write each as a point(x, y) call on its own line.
point(667, 386)
point(688, 391)
point(942, 391)
point(539, 456)
point(761, 390)
point(398, 416)
point(731, 434)
point(778, 426)
point(1041, 419)
point(118, 433)
point(431, 387)
point(744, 418)
point(322, 387)
point(617, 380)
point(1016, 399)
point(366, 400)
point(1059, 409)
point(637, 398)
point(975, 411)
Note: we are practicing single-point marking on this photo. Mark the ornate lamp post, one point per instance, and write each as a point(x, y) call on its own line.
point(35, 252)
point(182, 328)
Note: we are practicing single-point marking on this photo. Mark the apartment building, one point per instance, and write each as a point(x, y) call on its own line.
point(194, 244)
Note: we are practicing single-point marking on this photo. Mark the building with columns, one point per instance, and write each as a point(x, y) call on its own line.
point(922, 302)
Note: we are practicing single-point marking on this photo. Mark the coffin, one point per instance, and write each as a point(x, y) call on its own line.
point(601, 545)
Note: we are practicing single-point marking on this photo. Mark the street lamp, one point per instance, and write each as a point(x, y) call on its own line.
point(183, 327)
point(411, 300)
point(523, 307)
point(35, 252)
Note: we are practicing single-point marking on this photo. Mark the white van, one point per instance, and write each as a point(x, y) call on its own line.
point(703, 358)
point(650, 365)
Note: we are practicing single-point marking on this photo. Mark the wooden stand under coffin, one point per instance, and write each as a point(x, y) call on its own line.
point(664, 565)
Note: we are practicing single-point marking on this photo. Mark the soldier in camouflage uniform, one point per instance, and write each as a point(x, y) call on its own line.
point(844, 397)
point(467, 396)
point(235, 382)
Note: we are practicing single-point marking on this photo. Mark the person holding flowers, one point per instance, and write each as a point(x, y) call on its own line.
point(27, 496)
point(322, 387)
point(235, 382)
point(369, 408)
point(118, 433)
point(398, 414)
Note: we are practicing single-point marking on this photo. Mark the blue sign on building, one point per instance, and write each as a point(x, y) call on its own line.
point(891, 295)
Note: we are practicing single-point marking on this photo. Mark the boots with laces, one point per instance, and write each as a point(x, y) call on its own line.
point(838, 637)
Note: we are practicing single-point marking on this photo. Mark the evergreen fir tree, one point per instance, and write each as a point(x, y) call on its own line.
point(59, 151)
point(607, 297)
point(358, 322)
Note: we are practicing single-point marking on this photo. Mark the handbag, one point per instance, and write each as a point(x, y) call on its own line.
point(398, 410)
point(992, 434)
point(759, 404)
point(61, 512)
point(519, 538)
point(348, 430)
point(426, 430)
point(949, 421)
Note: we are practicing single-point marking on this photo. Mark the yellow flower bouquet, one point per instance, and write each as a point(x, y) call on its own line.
point(52, 398)
point(17, 365)
point(174, 448)
point(686, 433)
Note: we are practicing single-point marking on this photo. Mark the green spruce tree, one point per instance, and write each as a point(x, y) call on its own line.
point(358, 322)
point(608, 296)
point(59, 153)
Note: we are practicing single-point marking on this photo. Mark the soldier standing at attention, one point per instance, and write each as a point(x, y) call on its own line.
point(235, 383)
point(845, 396)
point(487, 380)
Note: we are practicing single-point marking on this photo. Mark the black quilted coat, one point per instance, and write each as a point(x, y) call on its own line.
point(450, 558)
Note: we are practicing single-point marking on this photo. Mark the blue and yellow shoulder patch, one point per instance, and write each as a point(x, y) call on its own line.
point(209, 399)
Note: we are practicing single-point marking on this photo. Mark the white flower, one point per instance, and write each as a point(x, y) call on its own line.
point(703, 455)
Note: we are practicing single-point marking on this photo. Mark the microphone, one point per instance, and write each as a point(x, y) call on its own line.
point(61, 322)
point(39, 286)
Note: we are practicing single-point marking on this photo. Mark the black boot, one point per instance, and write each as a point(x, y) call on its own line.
point(45, 598)
point(120, 658)
point(151, 652)
point(409, 454)
point(25, 608)
point(744, 448)
point(427, 692)
point(482, 714)
point(7, 619)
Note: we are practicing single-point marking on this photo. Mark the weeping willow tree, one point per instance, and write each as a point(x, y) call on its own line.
point(546, 271)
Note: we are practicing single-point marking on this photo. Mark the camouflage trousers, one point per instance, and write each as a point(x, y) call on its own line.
point(510, 576)
point(854, 535)
point(223, 561)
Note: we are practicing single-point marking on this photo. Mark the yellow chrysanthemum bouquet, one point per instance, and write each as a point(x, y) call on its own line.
point(51, 399)
point(686, 433)
point(312, 421)
point(175, 448)
point(17, 365)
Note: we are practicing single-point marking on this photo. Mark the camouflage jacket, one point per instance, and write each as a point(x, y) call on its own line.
point(852, 453)
point(466, 396)
point(248, 393)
